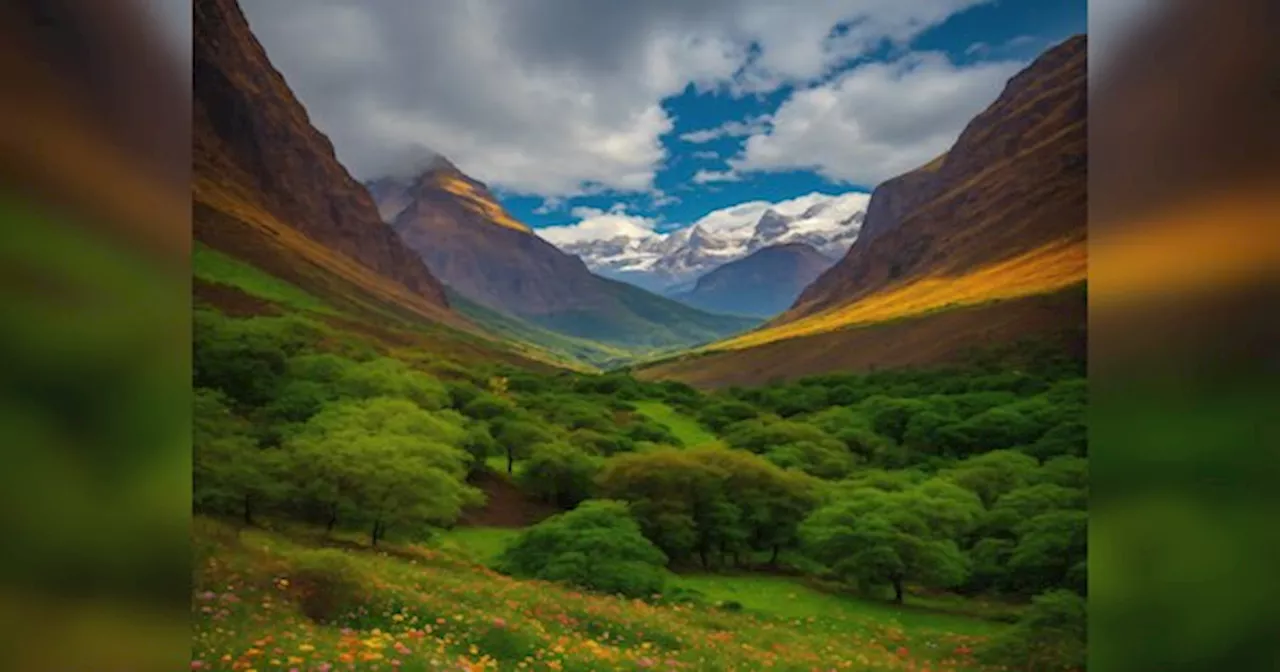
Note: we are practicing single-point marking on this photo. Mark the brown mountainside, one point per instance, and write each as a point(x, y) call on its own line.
point(1013, 182)
point(478, 249)
point(268, 188)
point(471, 243)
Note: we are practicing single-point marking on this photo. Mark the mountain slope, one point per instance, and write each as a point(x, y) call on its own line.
point(267, 187)
point(991, 226)
point(670, 263)
point(468, 240)
point(762, 284)
point(1013, 183)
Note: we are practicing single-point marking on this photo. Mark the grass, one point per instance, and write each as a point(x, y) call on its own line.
point(484, 544)
point(684, 427)
point(789, 598)
point(411, 608)
point(212, 266)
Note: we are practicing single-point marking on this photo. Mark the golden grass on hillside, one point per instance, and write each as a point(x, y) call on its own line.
point(224, 200)
point(480, 203)
point(1048, 268)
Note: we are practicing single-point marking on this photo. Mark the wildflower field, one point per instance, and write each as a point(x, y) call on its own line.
point(409, 607)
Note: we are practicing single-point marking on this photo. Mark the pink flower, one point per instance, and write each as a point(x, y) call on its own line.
point(499, 622)
point(197, 664)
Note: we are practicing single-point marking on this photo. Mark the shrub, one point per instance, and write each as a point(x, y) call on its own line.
point(559, 474)
point(1051, 635)
point(597, 546)
point(327, 584)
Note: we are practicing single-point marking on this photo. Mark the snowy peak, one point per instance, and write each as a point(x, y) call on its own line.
point(663, 262)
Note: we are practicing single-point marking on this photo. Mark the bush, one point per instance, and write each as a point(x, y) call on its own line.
point(597, 546)
point(559, 474)
point(327, 584)
point(1051, 635)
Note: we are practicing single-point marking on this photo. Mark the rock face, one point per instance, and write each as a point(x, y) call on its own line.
point(1014, 182)
point(763, 284)
point(262, 174)
point(470, 242)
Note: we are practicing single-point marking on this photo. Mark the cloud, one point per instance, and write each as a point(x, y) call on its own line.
point(549, 98)
point(731, 129)
point(877, 120)
point(706, 154)
point(597, 224)
point(707, 176)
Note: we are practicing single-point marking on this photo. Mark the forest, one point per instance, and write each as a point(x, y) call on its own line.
point(897, 485)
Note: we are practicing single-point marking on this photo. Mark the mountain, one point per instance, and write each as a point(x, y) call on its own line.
point(982, 247)
point(763, 284)
point(1012, 185)
point(478, 249)
point(670, 263)
point(267, 188)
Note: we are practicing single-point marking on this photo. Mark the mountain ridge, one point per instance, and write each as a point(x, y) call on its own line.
point(669, 263)
point(267, 186)
point(466, 238)
point(761, 284)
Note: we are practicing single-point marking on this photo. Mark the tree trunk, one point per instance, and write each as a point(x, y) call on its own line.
point(702, 553)
point(248, 510)
point(897, 590)
point(773, 559)
point(511, 459)
point(333, 520)
point(373, 536)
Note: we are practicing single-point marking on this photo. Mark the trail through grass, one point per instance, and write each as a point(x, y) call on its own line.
point(684, 427)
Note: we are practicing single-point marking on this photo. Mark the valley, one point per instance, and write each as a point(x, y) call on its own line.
point(816, 432)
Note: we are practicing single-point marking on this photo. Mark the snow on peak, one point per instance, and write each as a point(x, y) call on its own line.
point(628, 247)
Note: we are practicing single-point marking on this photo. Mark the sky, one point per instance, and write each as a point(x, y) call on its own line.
point(622, 116)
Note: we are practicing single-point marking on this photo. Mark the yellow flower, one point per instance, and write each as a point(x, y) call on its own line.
point(397, 618)
point(306, 648)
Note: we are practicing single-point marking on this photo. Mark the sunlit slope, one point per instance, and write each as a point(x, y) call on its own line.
point(1050, 324)
point(1044, 270)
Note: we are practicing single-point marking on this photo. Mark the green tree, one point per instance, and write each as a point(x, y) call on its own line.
point(1051, 552)
point(993, 474)
point(872, 537)
point(516, 437)
point(597, 546)
point(230, 473)
point(559, 474)
point(384, 462)
point(1051, 635)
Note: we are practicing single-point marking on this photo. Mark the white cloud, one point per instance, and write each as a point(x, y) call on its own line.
point(708, 176)
point(706, 154)
point(876, 121)
point(597, 224)
point(730, 129)
point(550, 98)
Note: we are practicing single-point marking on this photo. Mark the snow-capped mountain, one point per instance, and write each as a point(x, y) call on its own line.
point(670, 262)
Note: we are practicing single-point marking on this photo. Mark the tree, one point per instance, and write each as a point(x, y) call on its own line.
point(872, 537)
point(792, 444)
point(597, 546)
point(1015, 508)
point(1050, 635)
point(993, 474)
point(721, 413)
point(517, 437)
point(559, 474)
point(230, 473)
point(384, 462)
point(1051, 552)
